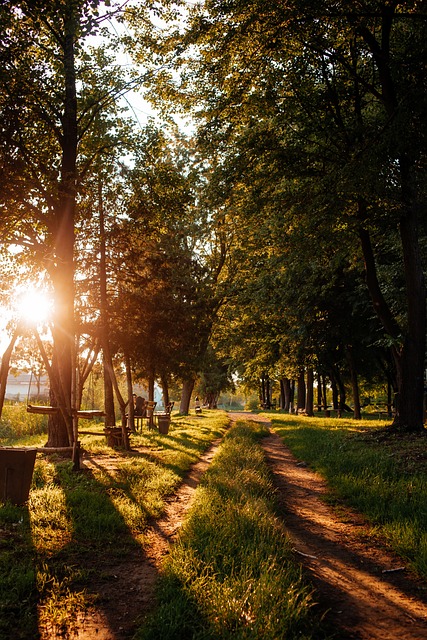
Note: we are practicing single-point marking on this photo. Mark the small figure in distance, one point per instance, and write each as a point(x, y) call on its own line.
point(197, 407)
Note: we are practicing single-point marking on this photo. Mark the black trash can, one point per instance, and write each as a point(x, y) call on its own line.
point(163, 423)
point(16, 474)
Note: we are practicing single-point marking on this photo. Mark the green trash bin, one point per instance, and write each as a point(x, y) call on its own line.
point(16, 474)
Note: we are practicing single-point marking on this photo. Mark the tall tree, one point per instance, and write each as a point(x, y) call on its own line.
point(45, 123)
point(332, 95)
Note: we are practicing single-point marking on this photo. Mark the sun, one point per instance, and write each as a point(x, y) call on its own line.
point(33, 306)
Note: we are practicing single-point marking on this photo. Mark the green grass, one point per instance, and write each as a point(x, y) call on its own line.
point(383, 477)
point(16, 425)
point(231, 575)
point(73, 520)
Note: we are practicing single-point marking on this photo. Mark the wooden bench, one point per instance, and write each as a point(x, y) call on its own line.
point(45, 410)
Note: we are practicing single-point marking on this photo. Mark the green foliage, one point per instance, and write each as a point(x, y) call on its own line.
point(311, 117)
point(231, 575)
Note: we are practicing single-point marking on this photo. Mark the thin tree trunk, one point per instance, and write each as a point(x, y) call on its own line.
point(309, 407)
point(324, 393)
point(301, 392)
point(165, 390)
point(319, 391)
point(129, 385)
point(4, 369)
point(335, 404)
point(354, 383)
point(292, 396)
point(187, 390)
point(263, 392)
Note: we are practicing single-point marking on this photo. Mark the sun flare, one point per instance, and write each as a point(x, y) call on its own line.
point(33, 306)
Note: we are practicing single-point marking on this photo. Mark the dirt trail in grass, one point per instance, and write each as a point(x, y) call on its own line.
point(362, 591)
point(365, 592)
point(125, 587)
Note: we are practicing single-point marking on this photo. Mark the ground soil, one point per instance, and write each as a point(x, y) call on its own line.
point(363, 591)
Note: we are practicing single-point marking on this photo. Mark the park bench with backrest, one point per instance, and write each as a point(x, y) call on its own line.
point(167, 411)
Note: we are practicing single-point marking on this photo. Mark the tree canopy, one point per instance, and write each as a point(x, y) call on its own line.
point(283, 233)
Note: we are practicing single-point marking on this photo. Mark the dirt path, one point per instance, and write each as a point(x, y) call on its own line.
point(364, 591)
point(125, 588)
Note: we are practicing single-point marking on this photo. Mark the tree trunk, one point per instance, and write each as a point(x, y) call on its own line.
point(263, 392)
point(110, 412)
point(324, 393)
point(410, 401)
point(309, 408)
point(354, 383)
point(187, 390)
point(301, 392)
point(109, 408)
point(409, 359)
point(129, 385)
point(285, 386)
point(292, 397)
point(165, 390)
point(4, 369)
point(319, 391)
point(58, 435)
point(342, 393)
point(62, 272)
point(335, 404)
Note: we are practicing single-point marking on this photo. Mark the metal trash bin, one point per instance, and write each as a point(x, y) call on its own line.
point(16, 474)
point(163, 424)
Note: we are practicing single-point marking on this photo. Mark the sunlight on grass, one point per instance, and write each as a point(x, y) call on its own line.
point(231, 574)
point(59, 603)
point(47, 506)
point(77, 523)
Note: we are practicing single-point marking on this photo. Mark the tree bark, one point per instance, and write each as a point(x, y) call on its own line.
point(165, 390)
point(187, 390)
point(354, 383)
point(109, 408)
point(292, 397)
point(131, 421)
point(301, 392)
point(4, 369)
point(62, 269)
point(285, 386)
point(319, 391)
point(335, 403)
point(309, 407)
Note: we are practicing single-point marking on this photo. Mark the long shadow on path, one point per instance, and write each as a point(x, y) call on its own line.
point(357, 586)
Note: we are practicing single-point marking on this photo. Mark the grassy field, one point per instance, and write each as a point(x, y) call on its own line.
point(69, 517)
point(232, 574)
point(381, 475)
